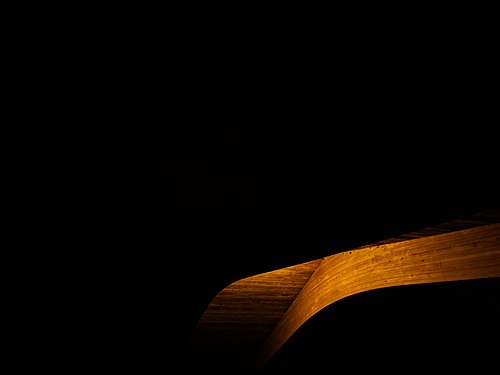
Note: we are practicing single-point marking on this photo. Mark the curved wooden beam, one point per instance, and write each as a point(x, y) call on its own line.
point(250, 320)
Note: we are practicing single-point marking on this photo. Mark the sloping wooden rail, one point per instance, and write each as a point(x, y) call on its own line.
point(251, 319)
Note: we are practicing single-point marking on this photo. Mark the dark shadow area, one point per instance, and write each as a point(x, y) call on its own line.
point(433, 329)
point(228, 151)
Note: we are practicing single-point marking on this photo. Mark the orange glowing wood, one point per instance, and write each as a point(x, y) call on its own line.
point(251, 319)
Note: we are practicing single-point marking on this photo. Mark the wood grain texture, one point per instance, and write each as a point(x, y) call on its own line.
point(241, 317)
point(251, 319)
point(461, 255)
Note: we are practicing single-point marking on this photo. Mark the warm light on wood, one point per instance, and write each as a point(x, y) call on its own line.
point(251, 319)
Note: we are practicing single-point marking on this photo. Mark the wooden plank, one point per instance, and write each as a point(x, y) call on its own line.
point(461, 255)
point(250, 319)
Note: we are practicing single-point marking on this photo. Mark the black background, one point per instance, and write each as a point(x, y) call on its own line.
point(233, 149)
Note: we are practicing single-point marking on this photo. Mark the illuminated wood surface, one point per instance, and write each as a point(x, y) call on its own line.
point(249, 321)
point(243, 315)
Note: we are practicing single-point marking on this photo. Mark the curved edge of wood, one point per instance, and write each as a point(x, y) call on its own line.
point(247, 322)
point(241, 316)
point(461, 255)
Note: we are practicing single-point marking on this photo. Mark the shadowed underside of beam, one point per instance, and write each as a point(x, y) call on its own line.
point(251, 319)
point(243, 315)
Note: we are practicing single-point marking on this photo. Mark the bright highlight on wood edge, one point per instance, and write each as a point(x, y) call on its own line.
point(271, 306)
